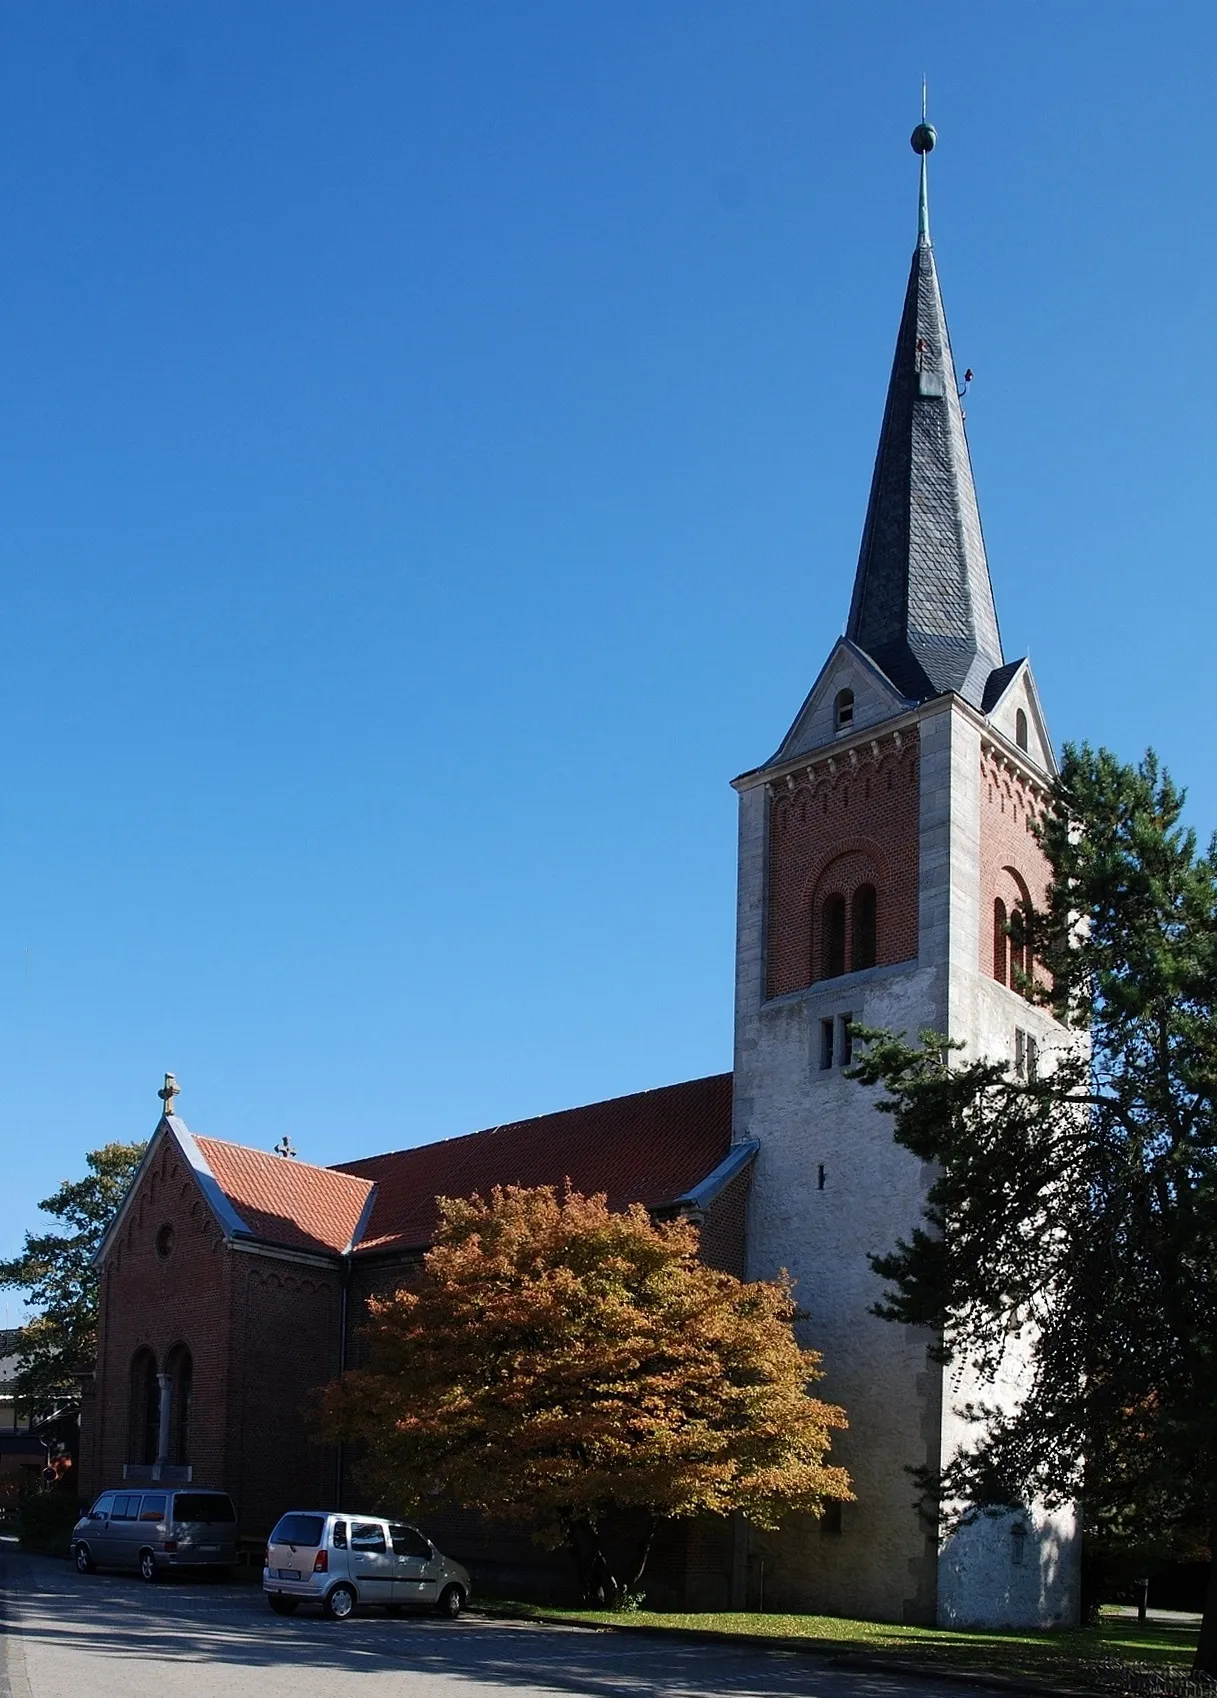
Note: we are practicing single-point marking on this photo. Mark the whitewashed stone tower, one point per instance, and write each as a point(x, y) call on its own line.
point(882, 849)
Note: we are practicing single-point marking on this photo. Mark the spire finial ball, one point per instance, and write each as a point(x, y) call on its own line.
point(923, 138)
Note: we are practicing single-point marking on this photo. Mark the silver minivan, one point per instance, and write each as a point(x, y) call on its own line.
point(156, 1530)
point(339, 1560)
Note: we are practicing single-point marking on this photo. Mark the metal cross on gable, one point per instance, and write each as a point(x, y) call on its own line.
point(284, 1147)
point(168, 1091)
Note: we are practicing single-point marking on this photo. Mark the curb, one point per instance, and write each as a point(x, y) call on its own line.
point(861, 1661)
point(13, 1680)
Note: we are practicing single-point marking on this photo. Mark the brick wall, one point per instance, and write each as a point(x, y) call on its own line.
point(284, 1327)
point(851, 819)
point(262, 1334)
point(723, 1232)
point(1012, 862)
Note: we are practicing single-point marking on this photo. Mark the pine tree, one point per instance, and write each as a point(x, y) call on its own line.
point(1077, 1209)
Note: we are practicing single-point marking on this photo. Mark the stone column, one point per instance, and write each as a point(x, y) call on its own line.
point(165, 1382)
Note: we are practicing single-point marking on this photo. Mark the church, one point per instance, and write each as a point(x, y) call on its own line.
point(884, 850)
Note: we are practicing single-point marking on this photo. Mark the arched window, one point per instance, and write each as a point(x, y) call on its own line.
point(1020, 729)
point(180, 1370)
point(865, 929)
point(1001, 944)
point(843, 710)
point(144, 1420)
point(833, 935)
point(1020, 948)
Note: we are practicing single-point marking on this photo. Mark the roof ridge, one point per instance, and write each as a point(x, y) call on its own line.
point(295, 1162)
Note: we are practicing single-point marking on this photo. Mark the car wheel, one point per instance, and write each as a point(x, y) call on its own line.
point(340, 1602)
point(451, 1602)
point(282, 1606)
point(147, 1566)
point(84, 1560)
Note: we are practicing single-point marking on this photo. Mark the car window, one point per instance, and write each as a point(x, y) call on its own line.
point(408, 1541)
point(339, 1536)
point(103, 1506)
point(298, 1530)
point(368, 1536)
point(203, 1506)
point(153, 1507)
point(125, 1509)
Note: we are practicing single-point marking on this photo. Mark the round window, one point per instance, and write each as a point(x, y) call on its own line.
point(164, 1241)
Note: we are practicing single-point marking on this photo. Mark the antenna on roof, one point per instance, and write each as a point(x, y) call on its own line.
point(284, 1147)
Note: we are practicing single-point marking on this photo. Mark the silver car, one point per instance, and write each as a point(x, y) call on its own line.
point(338, 1560)
point(154, 1531)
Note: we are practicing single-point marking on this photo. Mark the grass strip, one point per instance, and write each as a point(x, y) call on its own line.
point(1066, 1657)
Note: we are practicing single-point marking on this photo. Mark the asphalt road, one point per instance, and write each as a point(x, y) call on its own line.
point(111, 1636)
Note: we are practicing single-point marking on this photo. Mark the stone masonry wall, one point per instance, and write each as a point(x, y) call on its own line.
point(831, 1187)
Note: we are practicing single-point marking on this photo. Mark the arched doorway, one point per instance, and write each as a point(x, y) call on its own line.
point(143, 1421)
point(179, 1372)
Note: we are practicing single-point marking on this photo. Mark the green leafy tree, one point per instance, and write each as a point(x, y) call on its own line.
point(1077, 1209)
point(559, 1364)
point(55, 1270)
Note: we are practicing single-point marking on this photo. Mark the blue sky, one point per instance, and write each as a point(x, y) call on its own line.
point(435, 445)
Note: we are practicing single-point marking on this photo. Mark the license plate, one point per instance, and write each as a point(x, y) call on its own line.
point(289, 1574)
point(208, 1550)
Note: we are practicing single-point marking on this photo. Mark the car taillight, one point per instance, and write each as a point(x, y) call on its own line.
point(266, 1557)
point(321, 1563)
point(169, 1545)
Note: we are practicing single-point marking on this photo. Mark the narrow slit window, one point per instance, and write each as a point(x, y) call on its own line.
point(843, 710)
point(830, 1519)
point(834, 936)
point(1020, 729)
point(826, 1045)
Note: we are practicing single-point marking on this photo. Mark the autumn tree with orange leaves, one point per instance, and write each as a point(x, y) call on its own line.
point(559, 1362)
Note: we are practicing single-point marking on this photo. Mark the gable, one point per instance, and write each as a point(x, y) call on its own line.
point(876, 699)
point(255, 1198)
point(1012, 690)
point(166, 1186)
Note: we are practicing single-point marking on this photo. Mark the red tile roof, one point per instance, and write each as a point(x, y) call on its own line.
point(287, 1202)
point(648, 1148)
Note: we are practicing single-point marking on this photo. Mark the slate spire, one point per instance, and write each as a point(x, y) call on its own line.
point(923, 604)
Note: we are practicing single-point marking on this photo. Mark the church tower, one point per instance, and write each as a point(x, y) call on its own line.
point(883, 851)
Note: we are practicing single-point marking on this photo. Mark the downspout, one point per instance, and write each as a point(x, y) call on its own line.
point(343, 1290)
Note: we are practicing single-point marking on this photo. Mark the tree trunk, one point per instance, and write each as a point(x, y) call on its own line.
point(597, 1581)
point(644, 1551)
point(1206, 1649)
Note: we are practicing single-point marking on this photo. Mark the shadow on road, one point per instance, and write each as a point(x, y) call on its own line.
point(120, 1618)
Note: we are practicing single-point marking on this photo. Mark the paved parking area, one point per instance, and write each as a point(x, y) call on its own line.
point(111, 1636)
